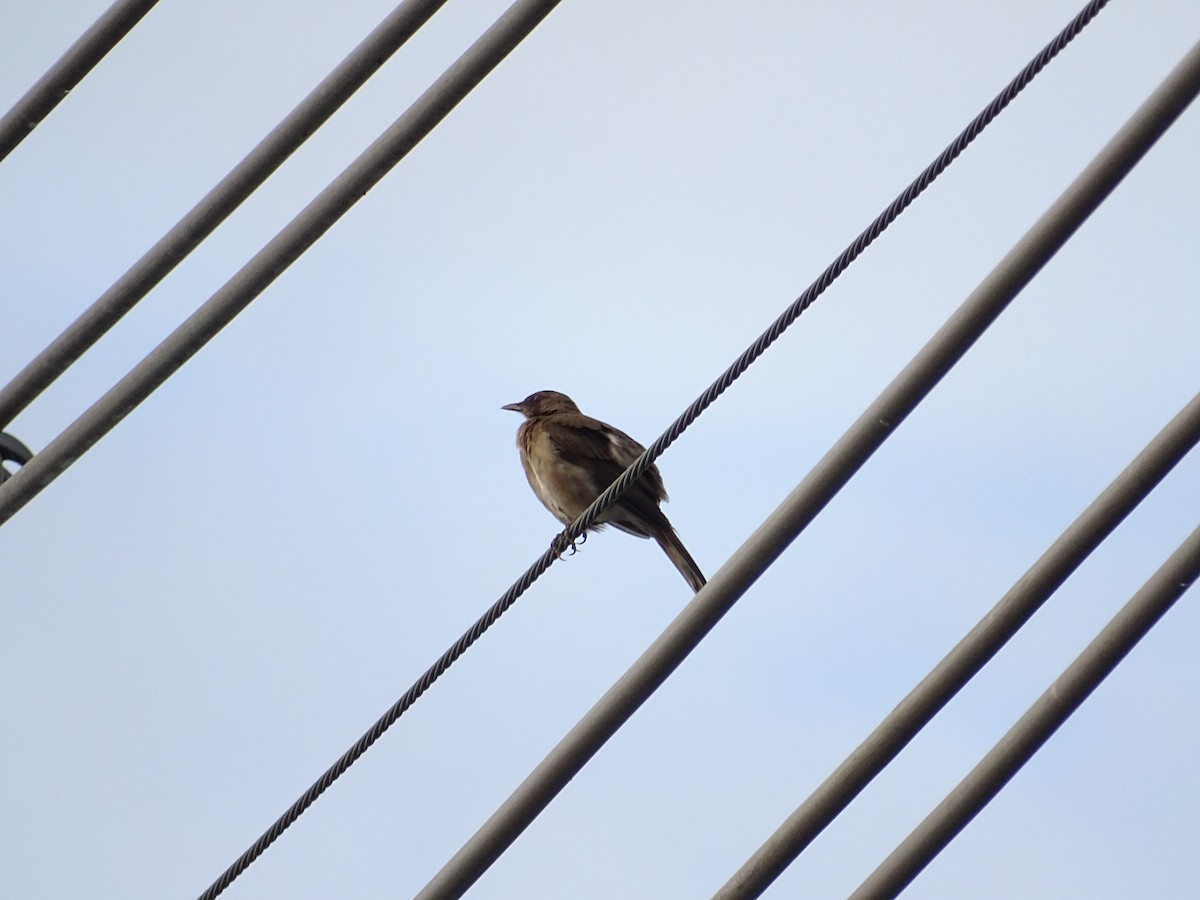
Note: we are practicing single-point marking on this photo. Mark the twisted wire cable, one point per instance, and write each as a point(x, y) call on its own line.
point(656, 449)
point(70, 69)
point(879, 421)
point(363, 744)
point(835, 269)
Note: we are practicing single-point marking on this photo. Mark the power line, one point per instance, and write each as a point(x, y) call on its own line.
point(245, 178)
point(834, 470)
point(968, 657)
point(613, 492)
point(516, 23)
point(279, 253)
point(834, 270)
point(81, 57)
point(973, 652)
point(198, 336)
point(1033, 729)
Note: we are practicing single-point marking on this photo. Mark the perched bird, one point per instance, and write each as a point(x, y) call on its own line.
point(570, 458)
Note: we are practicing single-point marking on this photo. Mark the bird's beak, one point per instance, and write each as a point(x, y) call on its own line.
point(515, 407)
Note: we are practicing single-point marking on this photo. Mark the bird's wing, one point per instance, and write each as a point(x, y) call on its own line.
point(605, 452)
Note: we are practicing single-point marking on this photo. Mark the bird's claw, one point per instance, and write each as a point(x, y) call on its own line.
point(562, 546)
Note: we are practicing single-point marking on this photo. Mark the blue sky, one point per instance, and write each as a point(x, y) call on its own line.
point(210, 606)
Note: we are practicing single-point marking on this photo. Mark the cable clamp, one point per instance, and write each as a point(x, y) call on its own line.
point(12, 450)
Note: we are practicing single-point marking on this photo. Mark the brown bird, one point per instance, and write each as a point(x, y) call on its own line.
point(570, 458)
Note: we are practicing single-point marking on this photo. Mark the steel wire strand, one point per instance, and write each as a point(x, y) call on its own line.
point(835, 469)
point(1019, 745)
point(656, 449)
point(70, 69)
point(216, 206)
point(373, 733)
point(833, 271)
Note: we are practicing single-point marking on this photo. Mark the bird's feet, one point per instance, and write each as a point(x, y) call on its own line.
point(562, 546)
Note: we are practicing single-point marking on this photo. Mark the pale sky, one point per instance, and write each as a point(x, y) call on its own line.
point(215, 602)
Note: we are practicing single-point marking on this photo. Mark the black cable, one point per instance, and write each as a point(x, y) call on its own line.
point(659, 446)
point(836, 468)
point(839, 265)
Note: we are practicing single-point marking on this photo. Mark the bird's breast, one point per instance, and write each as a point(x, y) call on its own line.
point(565, 488)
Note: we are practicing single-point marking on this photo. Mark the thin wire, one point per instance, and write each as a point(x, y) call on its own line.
point(1038, 724)
point(245, 178)
point(373, 734)
point(835, 469)
point(81, 57)
point(835, 269)
point(609, 496)
point(516, 23)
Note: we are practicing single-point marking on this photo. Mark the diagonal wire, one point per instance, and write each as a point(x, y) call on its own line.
point(242, 181)
point(1077, 682)
point(280, 252)
point(70, 69)
point(656, 449)
point(969, 656)
point(835, 469)
point(839, 265)
point(488, 51)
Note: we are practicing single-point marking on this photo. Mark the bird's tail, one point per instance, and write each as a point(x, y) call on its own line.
point(683, 561)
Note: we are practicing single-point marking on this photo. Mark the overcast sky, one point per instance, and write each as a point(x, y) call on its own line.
point(212, 604)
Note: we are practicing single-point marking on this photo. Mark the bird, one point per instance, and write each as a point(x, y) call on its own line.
point(570, 458)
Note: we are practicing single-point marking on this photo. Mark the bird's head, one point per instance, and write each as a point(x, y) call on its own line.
point(543, 403)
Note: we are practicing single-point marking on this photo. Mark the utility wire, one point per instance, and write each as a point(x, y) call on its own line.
point(279, 253)
point(431, 107)
point(245, 178)
point(1034, 728)
point(81, 57)
point(639, 466)
point(971, 654)
point(867, 434)
point(1009, 615)
point(832, 272)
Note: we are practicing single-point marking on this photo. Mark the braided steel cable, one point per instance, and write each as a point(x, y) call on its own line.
point(81, 57)
point(217, 205)
point(823, 482)
point(657, 448)
point(363, 744)
point(835, 269)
